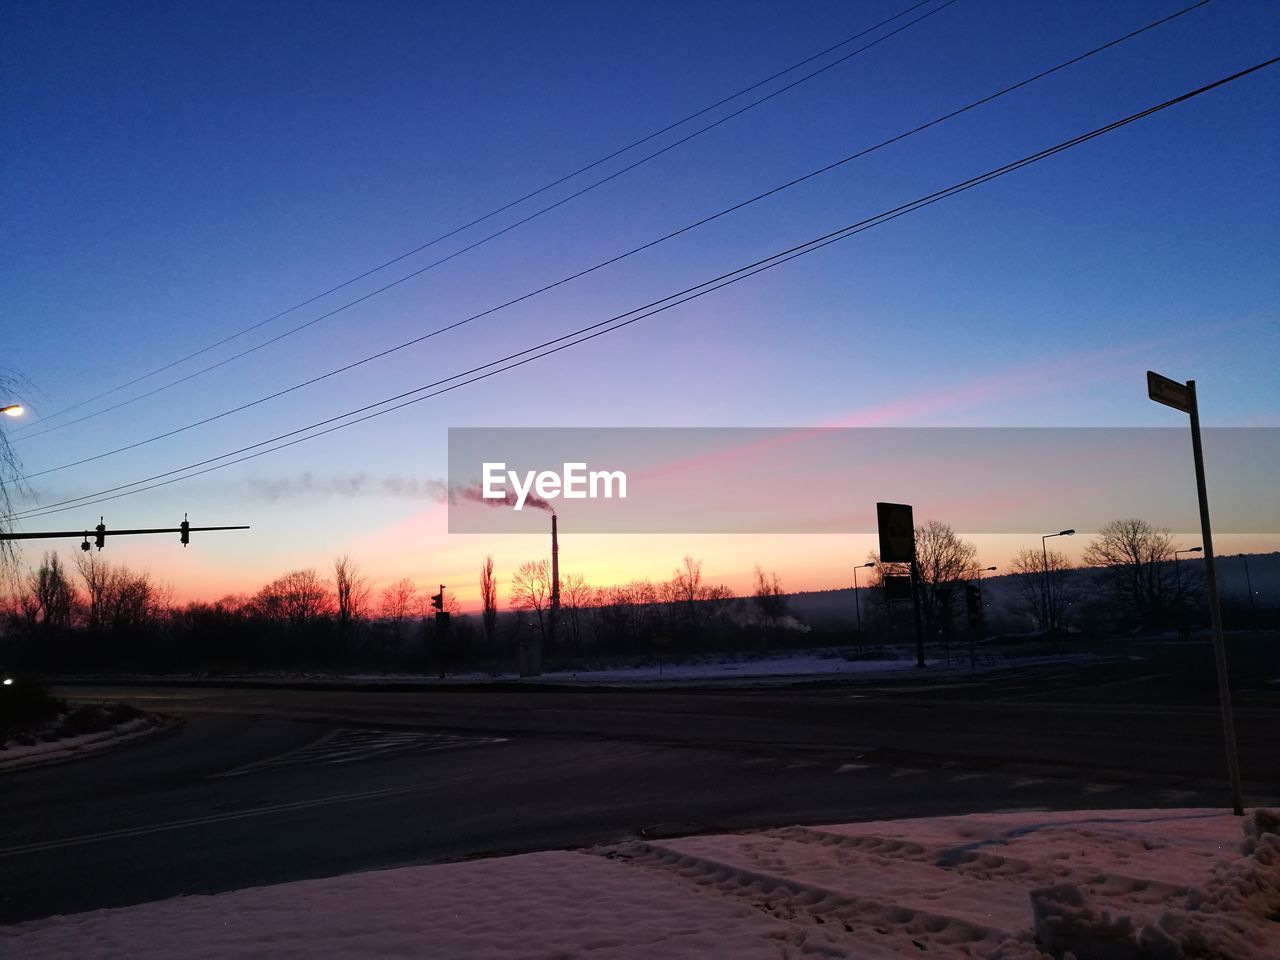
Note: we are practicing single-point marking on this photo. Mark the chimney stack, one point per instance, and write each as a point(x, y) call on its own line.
point(555, 584)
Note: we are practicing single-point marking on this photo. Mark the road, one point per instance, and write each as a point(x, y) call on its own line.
point(267, 785)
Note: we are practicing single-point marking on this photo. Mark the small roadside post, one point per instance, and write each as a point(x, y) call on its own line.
point(1182, 396)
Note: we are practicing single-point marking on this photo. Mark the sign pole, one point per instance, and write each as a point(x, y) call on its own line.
point(915, 606)
point(1182, 396)
point(1215, 611)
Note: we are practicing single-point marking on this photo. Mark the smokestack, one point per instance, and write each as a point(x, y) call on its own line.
point(555, 583)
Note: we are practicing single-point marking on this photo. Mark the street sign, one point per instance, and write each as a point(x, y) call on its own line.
point(1182, 396)
point(897, 533)
point(1170, 392)
point(897, 587)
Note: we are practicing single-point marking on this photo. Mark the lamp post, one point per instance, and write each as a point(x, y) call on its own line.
point(981, 571)
point(857, 603)
point(974, 628)
point(1177, 572)
point(1248, 584)
point(13, 410)
point(1044, 554)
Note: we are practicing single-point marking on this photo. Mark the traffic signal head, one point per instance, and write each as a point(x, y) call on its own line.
point(185, 527)
point(973, 603)
point(437, 599)
point(101, 539)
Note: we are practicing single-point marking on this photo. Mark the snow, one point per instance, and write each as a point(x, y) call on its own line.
point(13, 756)
point(1158, 884)
point(727, 671)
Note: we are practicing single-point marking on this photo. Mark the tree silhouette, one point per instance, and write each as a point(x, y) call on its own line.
point(1133, 560)
point(1044, 607)
point(489, 601)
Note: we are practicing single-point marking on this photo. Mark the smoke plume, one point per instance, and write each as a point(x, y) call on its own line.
point(475, 494)
point(351, 485)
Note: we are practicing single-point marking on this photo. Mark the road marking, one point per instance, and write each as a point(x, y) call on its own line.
point(350, 745)
point(125, 832)
point(1176, 796)
point(846, 767)
point(1100, 787)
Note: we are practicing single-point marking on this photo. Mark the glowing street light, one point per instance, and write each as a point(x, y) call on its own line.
point(13, 410)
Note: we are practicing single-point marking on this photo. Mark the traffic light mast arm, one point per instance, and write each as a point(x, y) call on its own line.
point(65, 534)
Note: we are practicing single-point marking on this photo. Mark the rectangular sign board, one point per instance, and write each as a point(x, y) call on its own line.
point(897, 587)
point(1169, 392)
point(897, 533)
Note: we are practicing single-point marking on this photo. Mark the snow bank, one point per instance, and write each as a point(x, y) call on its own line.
point(1113, 885)
point(14, 756)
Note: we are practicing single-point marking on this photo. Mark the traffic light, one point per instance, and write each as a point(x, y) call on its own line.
point(973, 604)
point(101, 539)
point(437, 600)
point(186, 531)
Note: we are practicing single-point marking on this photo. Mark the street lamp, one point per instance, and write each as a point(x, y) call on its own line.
point(1177, 572)
point(1044, 554)
point(981, 571)
point(12, 410)
point(975, 627)
point(857, 603)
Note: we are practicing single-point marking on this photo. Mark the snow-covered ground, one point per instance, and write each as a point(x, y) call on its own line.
point(727, 670)
point(1106, 885)
point(14, 756)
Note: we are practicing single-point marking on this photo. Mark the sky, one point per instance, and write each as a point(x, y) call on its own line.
point(177, 174)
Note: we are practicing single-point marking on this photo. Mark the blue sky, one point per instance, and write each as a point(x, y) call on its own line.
point(175, 173)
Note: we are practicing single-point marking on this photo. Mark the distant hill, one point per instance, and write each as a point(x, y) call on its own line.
point(834, 609)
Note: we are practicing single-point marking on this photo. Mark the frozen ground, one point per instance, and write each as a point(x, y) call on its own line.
point(1106, 885)
point(728, 671)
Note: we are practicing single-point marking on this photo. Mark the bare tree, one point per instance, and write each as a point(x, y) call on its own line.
point(769, 598)
point(531, 591)
point(398, 603)
point(576, 596)
point(351, 590)
point(1043, 592)
point(689, 589)
point(945, 563)
point(53, 595)
point(488, 601)
point(1133, 560)
point(96, 574)
point(299, 597)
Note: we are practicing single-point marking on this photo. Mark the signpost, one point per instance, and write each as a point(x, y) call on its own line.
point(897, 533)
point(898, 545)
point(1182, 396)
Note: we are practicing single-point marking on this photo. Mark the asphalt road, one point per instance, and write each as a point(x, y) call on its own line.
point(267, 785)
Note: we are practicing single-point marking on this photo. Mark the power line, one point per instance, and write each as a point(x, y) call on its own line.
point(590, 332)
point(493, 213)
point(615, 259)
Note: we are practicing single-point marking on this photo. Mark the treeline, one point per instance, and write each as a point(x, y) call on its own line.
point(100, 617)
point(1132, 578)
point(103, 617)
